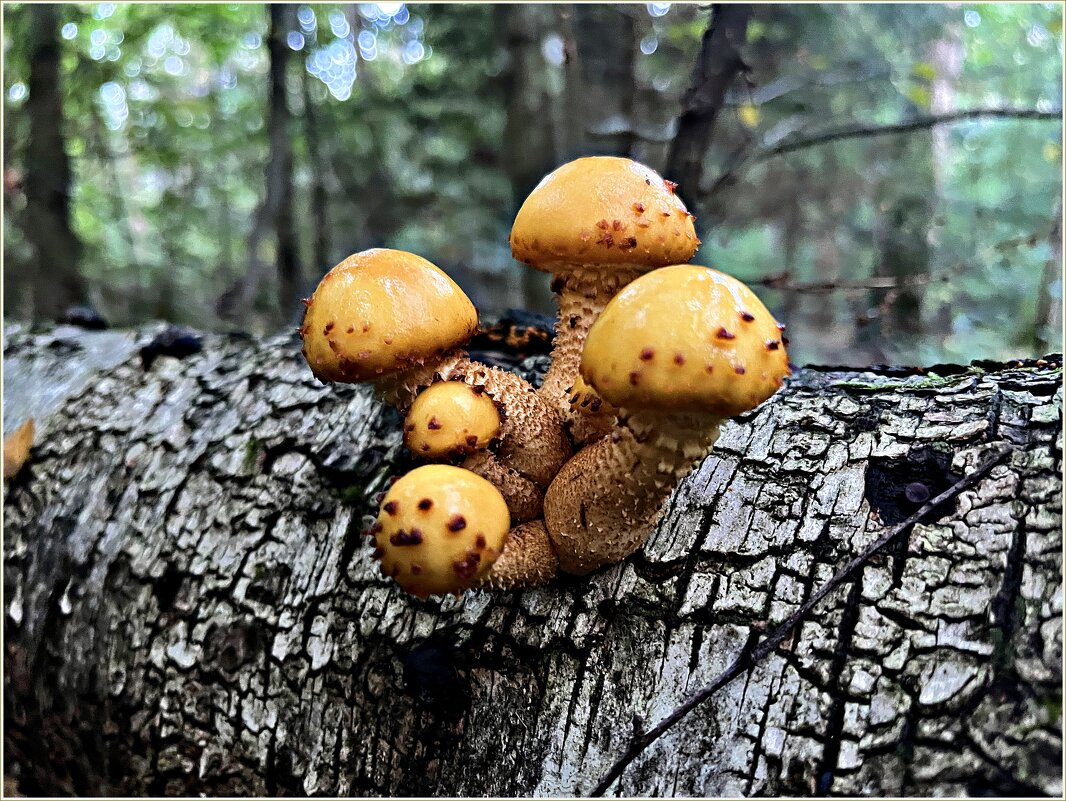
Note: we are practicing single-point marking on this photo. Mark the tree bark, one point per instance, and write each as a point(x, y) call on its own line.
point(717, 66)
point(190, 607)
point(58, 282)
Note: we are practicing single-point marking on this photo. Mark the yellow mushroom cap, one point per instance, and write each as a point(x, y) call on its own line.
point(450, 418)
point(381, 311)
point(686, 338)
point(584, 397)
point(603, 210)
point(440, 529)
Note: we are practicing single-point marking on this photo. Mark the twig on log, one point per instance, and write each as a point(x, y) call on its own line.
point(748, 659)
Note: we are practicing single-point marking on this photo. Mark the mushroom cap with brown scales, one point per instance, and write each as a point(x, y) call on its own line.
point(603, 211)
point(381, 311)
point(451, 418)
point(686, 338)
point(439, 530)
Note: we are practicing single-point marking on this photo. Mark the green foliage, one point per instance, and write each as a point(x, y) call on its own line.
point(166, 109)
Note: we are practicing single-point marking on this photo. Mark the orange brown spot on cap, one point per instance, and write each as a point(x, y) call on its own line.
point(740, 369)
point(670, 186)
point(457, 523)
point(480, 542)
point(425, 504)
point(638, 208)
point(434, 424)
point(725, 333)
point(773, 344)
point(415, 568)
point(466, 567)
point(391, 508)
point(412, 537)
point(679, 359)
point(328, 328)
point(634, 378)
point(647, 354)
point(747, 316)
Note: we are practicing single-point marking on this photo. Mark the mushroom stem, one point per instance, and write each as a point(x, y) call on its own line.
point(400, 389)
point(528, 559)
point(583, 292)
point(605, 501)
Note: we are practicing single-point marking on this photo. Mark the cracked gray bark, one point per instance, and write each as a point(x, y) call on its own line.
point(189, 607)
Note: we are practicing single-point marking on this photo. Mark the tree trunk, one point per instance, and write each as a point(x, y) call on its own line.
point(606, 61)
point(275, 213)
point(528, 140)
point(717, 66)
point(58, 283)
point(190, 607)
point(319, 200)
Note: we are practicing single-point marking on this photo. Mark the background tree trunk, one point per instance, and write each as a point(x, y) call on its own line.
point(190, 607)
point(57, 283)
point(717, 67)
point(275, 213)
point(529, 128)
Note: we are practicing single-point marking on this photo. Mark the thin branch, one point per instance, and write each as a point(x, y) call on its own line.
point(917, 124)
point(765, 647)
point(783, 281)
point(865, 131)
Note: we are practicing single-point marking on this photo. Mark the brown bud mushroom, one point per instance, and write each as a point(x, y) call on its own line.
point(446, 528)
point(450, 418)
point(605, 500)
point(397, 321)
point(596, 223)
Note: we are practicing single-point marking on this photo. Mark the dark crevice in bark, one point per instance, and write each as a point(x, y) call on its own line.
point(835, 717)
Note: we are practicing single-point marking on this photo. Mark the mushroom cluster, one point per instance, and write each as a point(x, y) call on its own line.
point(651, 356)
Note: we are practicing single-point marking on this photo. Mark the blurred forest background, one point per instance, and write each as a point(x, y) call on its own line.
point(888, 177)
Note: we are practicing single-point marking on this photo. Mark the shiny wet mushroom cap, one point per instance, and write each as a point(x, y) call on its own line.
point(439, 530)
point(603, 210)
point(686, 338)
point(381, 311)
point(451, 418)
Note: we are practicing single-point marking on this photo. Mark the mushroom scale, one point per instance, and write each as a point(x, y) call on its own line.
point(439, 530)
point(679, 351)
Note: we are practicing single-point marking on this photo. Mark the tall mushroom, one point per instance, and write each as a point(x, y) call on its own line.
point(596, 223)
point(678, 351)
point(397, 321)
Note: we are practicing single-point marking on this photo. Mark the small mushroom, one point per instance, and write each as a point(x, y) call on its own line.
point(454, 419)
point(604, 502)
point(397, 321)
point(450, 418)
point(596, 223)
point(440, 530)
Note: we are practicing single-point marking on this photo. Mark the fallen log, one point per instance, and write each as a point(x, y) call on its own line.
point(189, 607)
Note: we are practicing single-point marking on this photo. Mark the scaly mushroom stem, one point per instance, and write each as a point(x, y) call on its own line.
point(583, 291)
point(400, 389)
point(605, 501)
point(528, 559)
